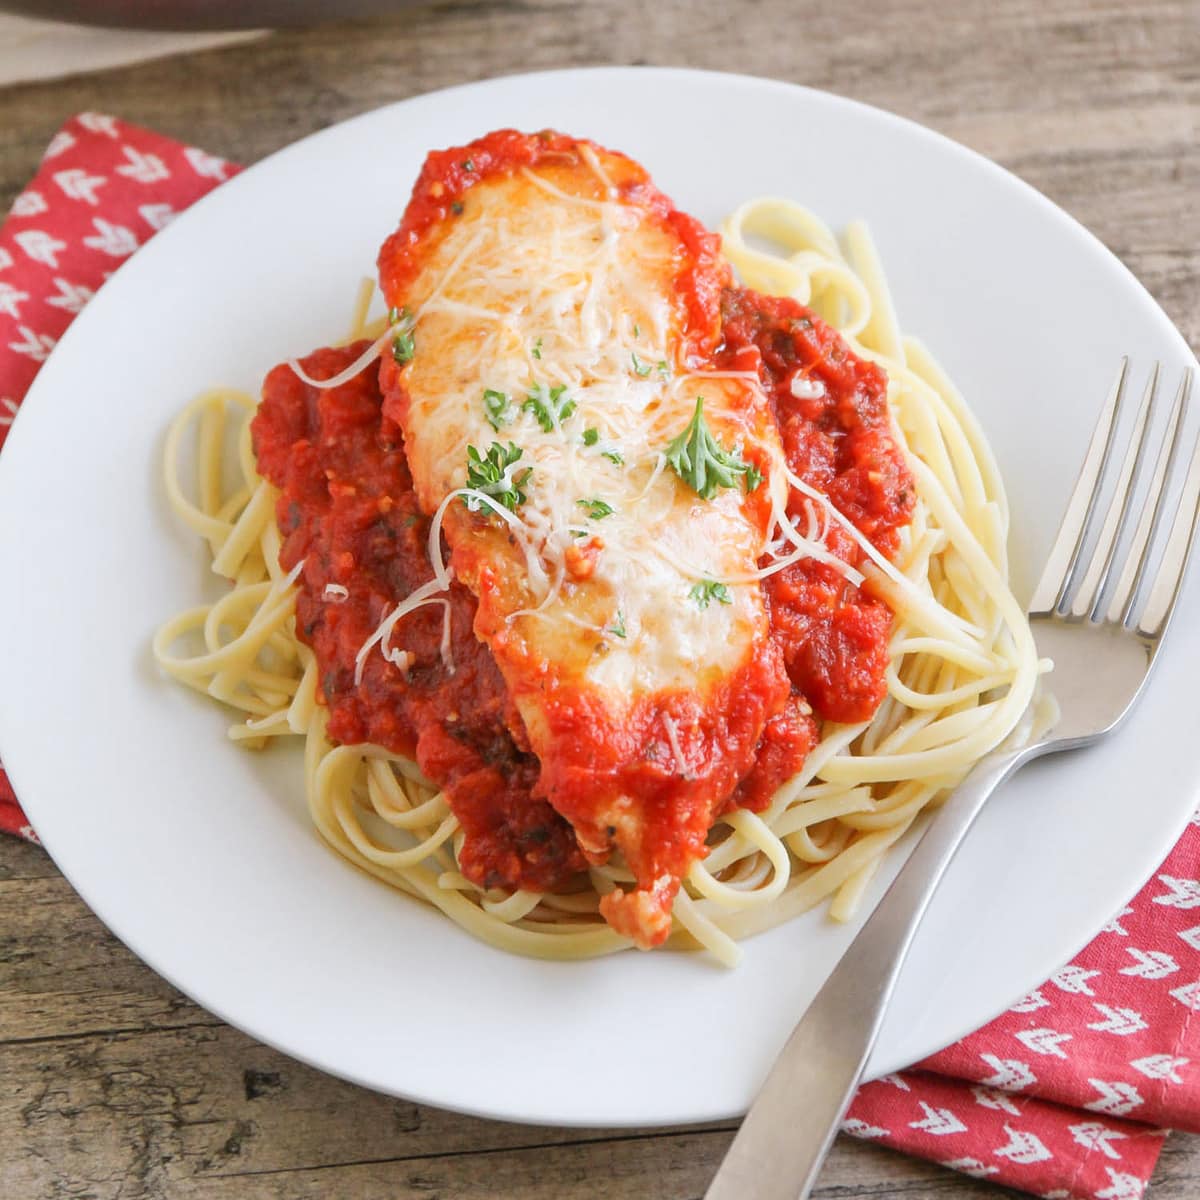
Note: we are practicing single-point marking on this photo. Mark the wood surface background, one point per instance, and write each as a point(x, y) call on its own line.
point(113, 1086)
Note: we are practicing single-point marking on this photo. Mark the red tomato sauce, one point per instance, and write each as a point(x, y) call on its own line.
point(833, 635)
point(347, 509)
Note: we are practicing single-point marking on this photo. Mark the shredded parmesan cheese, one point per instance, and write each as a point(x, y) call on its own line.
point(673, 741)
point(426, 594)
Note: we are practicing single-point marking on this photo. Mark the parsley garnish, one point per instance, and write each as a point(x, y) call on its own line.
point(637, 330)
point(491, 476)
point(708, 590)
point(663, 369)
point(702, 463)
point(597, 509)
point(548, 406)
point(496, 408)
point(752, 478)
point(619, 626)
point(403, 344)
point(591, 436)
point(537, 348)
point(640, 369)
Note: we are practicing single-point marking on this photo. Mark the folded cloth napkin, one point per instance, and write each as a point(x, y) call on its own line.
point(1068, 1095)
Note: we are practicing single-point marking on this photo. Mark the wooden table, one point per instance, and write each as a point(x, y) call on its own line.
point(114, 1085)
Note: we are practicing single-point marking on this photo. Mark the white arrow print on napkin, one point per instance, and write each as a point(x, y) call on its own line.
point(1116, 1099)
point(1074, 980)
point(1160, 1066)
point(114, 240)
point(205, 164)
point(1192, 936)
point(71, 296)
point(1023, 1148)
point(35, 345)
point(29, 204)
point(5, 259)
point(1031, 1003)
point(994, 1098)
point(1115, 926)
point(99, 123)
point(861, 1129)
point(157, 216)
point(10, 410)
point(143, 168)
point(1011, 1074)
point(938, 1121)
point(972, 1167)
point(1121, 1021)
point(1124, 1187)
point(1188, 995)
point(11, 300)
point(77, 184)
point(1181, 893)
point(41, 247)
point(61, 141)
point(1151, 964)
point(1093, 1136)
point(1044, 1041)
point(896, 1081)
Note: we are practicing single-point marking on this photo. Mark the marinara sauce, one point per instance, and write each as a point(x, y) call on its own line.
point(347, 510)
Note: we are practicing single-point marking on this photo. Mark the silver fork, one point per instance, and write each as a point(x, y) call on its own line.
point(1103, 646)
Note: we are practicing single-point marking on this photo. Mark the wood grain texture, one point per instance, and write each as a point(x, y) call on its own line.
point(112, 1084)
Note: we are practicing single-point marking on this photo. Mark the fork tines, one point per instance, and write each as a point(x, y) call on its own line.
point(1078, 581)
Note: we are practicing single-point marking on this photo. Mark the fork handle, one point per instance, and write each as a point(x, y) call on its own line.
point(782, 1143)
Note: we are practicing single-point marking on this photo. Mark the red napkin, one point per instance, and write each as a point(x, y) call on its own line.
point(1067, 1095)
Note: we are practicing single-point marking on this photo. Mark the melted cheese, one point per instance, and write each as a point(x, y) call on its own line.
point(547, 281)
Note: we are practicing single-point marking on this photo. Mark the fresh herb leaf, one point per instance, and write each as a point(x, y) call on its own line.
point(456, 207)
point(597, 509)
point(591, 436)
point(468, 164)
point(403, 344)
point(752, 478)
point(637, 331)
point(548, 406)
point(618, 626)
point(537, 348)
point(493, 476)
point(496, 408)
point(663, 369)
point(640, 369)
point(702, 462)
point(708, 590)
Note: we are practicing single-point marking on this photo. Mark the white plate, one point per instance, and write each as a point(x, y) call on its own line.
point(201, 857)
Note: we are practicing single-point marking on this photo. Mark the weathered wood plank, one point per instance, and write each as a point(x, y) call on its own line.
point(62, 974)
point(22, 860)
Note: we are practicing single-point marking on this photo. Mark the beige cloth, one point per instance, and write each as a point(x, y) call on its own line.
point(32, 50)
